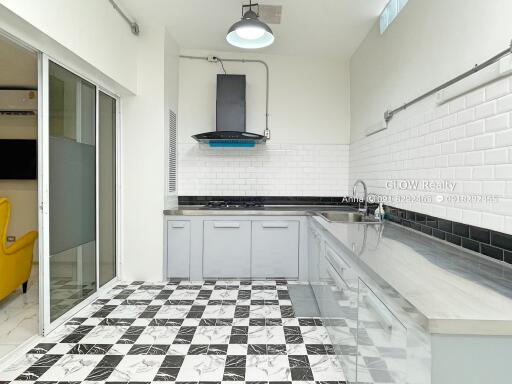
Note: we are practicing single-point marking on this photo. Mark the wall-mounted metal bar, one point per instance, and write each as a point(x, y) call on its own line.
point(214, 59)
point(134, 27)
point(388, 115)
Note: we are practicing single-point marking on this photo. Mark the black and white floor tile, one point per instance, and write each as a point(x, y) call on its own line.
point(185, 332)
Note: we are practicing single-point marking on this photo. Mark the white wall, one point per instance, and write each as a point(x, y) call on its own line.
point(90, 29)
point(309, 97)
point(143, 159)
point(171, 78)
point(428, 43)
point(466, 141)
point(309, 122)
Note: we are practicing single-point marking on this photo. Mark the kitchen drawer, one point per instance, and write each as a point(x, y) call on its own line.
point(379, 331)
point(227, 249)
point(178, 249)
point(275, 249)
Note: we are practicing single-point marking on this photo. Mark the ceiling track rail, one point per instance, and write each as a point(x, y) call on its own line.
point(215, 59)
point(388, 115)
point(134, 27)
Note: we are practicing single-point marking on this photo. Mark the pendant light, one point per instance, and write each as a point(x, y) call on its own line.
point(250, 32)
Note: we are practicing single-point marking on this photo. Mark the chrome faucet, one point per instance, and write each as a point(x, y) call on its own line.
point(354, 190)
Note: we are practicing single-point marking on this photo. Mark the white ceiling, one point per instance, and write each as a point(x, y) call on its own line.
point(18, 66)
point(332, 28)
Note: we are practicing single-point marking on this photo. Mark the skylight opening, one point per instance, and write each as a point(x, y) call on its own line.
point(390, 12)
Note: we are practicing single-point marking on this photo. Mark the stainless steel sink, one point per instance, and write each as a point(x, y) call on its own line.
point(347, 217)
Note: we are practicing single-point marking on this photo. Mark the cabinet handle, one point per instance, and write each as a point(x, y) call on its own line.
point(178, 225)
point(379, 310)
point(333, 263)
point(274, 225)
point(226, 225)
point(337, 280)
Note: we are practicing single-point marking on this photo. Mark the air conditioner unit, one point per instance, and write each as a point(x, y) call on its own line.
point(18, 102)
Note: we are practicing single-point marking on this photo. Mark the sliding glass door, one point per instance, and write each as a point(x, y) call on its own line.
point(107, 112)
point(72, 189)
point(79, 191)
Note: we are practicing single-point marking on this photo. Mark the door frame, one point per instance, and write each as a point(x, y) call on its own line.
point(45, 325)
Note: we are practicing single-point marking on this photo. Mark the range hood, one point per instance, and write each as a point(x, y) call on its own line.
point(231, 116)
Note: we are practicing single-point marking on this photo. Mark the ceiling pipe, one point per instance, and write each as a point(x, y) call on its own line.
point(134, 27)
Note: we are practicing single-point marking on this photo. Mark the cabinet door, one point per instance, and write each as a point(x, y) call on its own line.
point(227, 249)
point(275, 249)
point(178, 249)
point(379, 331)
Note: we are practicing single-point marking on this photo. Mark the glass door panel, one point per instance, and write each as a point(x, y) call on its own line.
point(72, 189)
point(107, 187)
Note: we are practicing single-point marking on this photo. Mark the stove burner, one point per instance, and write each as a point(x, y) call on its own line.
point(223, 204)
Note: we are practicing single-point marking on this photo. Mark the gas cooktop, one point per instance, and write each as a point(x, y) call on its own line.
point(223, 204)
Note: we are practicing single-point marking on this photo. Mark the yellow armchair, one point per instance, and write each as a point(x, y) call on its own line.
point(15, 260)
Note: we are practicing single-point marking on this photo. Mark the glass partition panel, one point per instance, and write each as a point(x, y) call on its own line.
point(72, 189)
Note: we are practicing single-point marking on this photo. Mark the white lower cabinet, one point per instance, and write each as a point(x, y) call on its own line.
point(178, 249)
point(340, 311)
point(275, 249)
point(227, 249)
point(201, 247)
point(369, 340)
point(379, 330)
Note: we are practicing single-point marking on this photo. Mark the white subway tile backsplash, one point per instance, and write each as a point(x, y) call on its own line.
point(457, 132)
point(497, 89)
point(490, 220)
point(504, 138)
point(268, 169)
point(484, 141)
point(505, 104)
point(457, 105)
point(475, 98)
point(467, 141)
point(485, 110)
point(466, 116)
point(497, 123)
point(503, 172)
point(474, 158)
point(475, 128)
point(450, 121)
point(496, 156)
point(497, 188)
point(483, 172)
point(472, 217)
point(464, 145)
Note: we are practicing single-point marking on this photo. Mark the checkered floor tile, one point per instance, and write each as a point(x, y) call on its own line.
point(211, 331)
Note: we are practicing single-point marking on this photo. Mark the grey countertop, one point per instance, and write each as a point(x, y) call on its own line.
point(457, 291)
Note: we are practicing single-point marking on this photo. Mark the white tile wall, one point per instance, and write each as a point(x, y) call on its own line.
point(266, 170)
point(468, 141)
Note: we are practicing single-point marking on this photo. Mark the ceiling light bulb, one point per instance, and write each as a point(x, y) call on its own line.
point(250, 32)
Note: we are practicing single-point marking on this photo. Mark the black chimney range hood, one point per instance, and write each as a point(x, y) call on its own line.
point(231, 116)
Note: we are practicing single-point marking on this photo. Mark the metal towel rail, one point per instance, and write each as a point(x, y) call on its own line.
point(388, 115)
